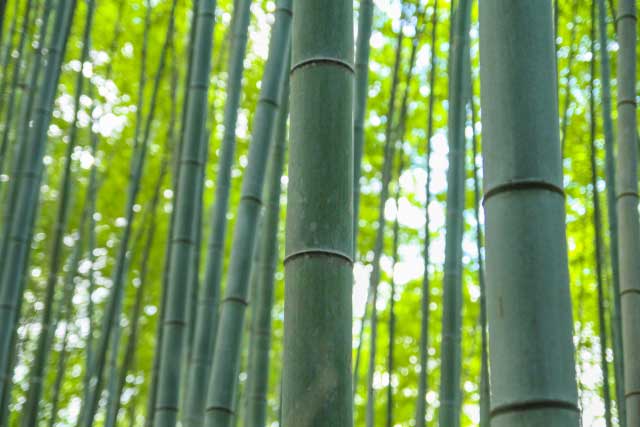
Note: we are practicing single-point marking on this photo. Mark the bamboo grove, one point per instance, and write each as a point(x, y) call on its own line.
point(319, 213)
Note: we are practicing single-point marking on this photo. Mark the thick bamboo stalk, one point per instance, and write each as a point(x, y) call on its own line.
point(225, 368)
point(451, 364)
point(528, 301)
point(317, 389)
point(265, 269)
point(627, 204)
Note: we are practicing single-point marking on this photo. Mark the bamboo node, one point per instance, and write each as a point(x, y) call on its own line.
point(221, 409)
point(631, 102)
point(632, 393)
point(318, 251)
point(627, 194)
point(522, 184)
point(630, 291)
point(239, 300)
point(626, 16)
point(323, 60)
point(532, 405)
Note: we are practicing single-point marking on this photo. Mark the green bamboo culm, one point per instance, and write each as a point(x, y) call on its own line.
point(421, 403)
point(363, 49)
point(597, 222)
point(485, 394)
point(183, 233)
point(528, 302)
point(317, 389)
point(564, 121)
point(39, 365)
point(612, 215)
point(627, 205)
point(450, 387)
point(27, 187)
point(206, 315)
point(226, 360)
point(265, 269)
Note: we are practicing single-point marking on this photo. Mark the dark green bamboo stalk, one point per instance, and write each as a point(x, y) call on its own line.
point(27, 186)
point(112, 312)
point(265, 269)
point(528, 301)
point(612, 214)
point(225, 368)
point(372, 291)
point(450, 387)
point(627, 204)
point(317, 389)
point(421, 407)
point(183, 234)
point(6, 55)
point(485, 395)
point(39, 366)
point(206, 314)
point(597, 222)
point(365, 26)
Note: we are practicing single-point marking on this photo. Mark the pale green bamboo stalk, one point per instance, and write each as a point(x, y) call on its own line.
point(421, 405)
point(265, 270)
point(39, 365)
point(451, 358)
point(225, 368)
point(90, 405)
point(27, 187)
point(365, 27)
point(627, 204)
point(155, 368)
point(206, 314)
point(485, 392)
point(597, 222)
point(528, 300)
point(612, 214)
point(317, 389)
point(182, 239)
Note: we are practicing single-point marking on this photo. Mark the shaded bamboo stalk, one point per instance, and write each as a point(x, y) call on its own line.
point(531, 349)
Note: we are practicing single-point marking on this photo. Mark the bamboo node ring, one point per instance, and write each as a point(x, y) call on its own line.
point(533, 405)
point(323, 60)
point(318, 251)
point(522, 184)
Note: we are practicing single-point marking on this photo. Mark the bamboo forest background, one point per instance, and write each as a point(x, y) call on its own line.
point(134, 60)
